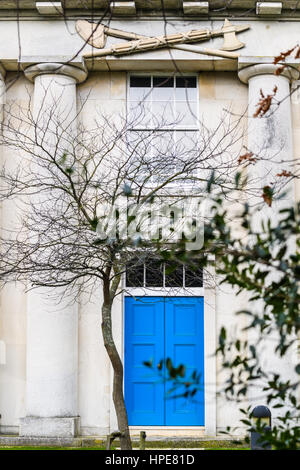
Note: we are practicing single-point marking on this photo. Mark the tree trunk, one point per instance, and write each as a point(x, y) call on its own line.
point(118, 396)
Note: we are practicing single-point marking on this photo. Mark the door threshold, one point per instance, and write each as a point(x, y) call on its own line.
point(159, 432)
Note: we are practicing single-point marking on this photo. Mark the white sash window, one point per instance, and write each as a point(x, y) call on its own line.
point(163, 113)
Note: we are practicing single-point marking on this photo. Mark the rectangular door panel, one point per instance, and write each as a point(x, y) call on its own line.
point(144, 341)
point(184, 344)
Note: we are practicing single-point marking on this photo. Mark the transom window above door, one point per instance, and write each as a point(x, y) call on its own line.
point(163, 274)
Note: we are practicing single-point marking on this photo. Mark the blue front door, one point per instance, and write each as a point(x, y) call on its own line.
point(157, 328)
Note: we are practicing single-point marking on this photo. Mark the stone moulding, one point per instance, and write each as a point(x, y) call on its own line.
point(55, 68)
point(267, 69)
point(131, 7)
point(268, 8)
point(49, 8)
point(123, 8)
point(195, 8)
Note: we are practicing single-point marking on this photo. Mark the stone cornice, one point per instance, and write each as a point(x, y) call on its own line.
point(171, 7)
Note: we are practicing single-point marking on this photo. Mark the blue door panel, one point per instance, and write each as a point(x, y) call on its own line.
point(144, 341)
point(184, 344)
point(157, 328)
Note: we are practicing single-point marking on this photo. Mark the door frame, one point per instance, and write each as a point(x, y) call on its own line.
point(210, 344)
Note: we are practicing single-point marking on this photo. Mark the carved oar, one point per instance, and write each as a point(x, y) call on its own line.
point(207, 51)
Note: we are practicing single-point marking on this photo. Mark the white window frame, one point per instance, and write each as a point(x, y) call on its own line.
point(162, 290)
point(191, 129)
point(165, 74)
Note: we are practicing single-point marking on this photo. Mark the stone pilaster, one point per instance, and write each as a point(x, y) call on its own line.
point(2, 90)
point(2, 102)
point(52, 324)
point(270, 136)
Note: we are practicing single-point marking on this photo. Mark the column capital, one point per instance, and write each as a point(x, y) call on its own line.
point(289, 72)
point(55, 68)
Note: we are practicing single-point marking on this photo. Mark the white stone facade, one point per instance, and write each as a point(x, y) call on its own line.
point(75, 398)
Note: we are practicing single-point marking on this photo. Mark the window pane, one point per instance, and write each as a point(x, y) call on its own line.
point(139, 151)
point(139, 81)
point(165, 82)
point(140, 88)
point(194, 276)
point(154, 274)
point(187, 141)
point(163, 114)
point(186, 114)
point(140, 94)
point(163, 161)
point(163, 94)
point(140, 114)
point(186, 82)
point(162, 143)
point(173, 275)
point(135, 274)
point(152, 155)
point(186, 94)
point(186, 89)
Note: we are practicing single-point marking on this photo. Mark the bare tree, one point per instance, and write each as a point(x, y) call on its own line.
point(67, 234)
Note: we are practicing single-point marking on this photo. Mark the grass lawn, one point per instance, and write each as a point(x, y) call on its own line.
point(208, 445)
point(49, 448)
point(228, 448)
point(211, 445)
